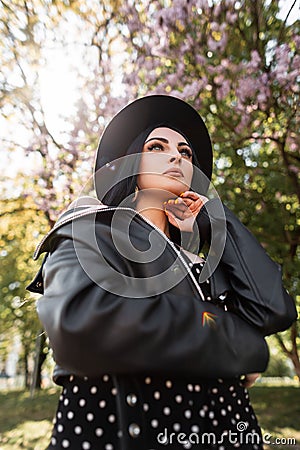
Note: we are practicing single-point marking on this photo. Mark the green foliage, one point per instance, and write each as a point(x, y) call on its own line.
point(19, 225)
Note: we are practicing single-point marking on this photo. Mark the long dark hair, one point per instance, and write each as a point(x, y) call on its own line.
point(122, 191)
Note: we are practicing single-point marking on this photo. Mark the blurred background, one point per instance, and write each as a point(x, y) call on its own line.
point(67, 66)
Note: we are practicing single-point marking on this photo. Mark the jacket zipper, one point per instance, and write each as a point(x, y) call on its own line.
point(91, 211)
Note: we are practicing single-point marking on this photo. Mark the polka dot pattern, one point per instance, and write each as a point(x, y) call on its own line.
point(87, 416)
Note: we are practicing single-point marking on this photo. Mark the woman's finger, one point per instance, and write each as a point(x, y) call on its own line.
point(193, 195)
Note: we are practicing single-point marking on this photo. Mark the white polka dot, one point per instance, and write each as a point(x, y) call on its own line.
point(154, 423)
point(120, 433)
point(221, 399)
point(202, 413)
point(233, 421)
point(93, 390)
point(85, 378)
point(65, 443)
point(108, 447)
point(167, 411)
point(205, 407)
point(102, 403)
point(237, 416)
point(105, 378)
point(82, 402)
point(188, 413)
point(191, 402)
point(190, 387)
point(148, 380)
point(220, 380)
point(214, 390)
point(223, 412)
point(98, 432)
point(187, 445)
point(195, 428)
point(111, 418)
point(77, 430)
point(234, 394)
point(169, 384)
point(221, 447)
point(59, 415)
point(53, 441)
point(231, 388)
point(156, 395)
point(71, 378)
point(211, 414)
point(66, 401)
point(215, 422)
point(239, 401)
point(61, 398)
point(145, 406)
point(86, 445)
point(247, 409)
point(178, 398)
point(90, 417)
point(75, 389)
point(197, 388)
point(229, 407)
point(176, 426)
point(60, 428)
point(212, 403)
point(114, 391)
point(70, 414)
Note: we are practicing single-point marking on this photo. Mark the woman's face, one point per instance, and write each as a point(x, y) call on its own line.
point(166, 163)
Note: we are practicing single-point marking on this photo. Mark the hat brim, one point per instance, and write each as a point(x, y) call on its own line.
point(150, 110)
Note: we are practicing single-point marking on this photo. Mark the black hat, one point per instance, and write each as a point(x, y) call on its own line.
point(139, 115)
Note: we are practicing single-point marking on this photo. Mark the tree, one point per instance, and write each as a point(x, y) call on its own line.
point(237, 62)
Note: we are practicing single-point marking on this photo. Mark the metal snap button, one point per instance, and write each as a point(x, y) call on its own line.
point(134, 430)
point(131, 399)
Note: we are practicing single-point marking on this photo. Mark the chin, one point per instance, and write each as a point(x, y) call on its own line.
point(166, 187)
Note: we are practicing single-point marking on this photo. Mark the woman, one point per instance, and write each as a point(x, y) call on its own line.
point(151, 341)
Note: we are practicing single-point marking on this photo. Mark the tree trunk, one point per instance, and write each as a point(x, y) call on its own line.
point(40, 361)
point(292, 354)
point(26, 370)
point(40, 356)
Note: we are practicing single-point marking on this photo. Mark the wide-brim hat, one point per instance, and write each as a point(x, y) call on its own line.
point(139, 115)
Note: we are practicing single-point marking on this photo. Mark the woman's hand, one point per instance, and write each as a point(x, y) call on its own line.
point(250, 379)
point(183, 211)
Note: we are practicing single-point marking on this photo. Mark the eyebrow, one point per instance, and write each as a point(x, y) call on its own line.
point(180, 144)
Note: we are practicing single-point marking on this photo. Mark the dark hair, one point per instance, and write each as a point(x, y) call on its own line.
point(122, 192)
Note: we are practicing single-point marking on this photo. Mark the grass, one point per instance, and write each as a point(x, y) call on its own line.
point(25, 422)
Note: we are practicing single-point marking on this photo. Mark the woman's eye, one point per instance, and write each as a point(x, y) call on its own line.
point(186, 152)
point(155, 147)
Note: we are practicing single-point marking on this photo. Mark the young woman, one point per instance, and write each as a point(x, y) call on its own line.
point(154, 345)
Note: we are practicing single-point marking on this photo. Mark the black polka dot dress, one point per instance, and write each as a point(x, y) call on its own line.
point(155, 412)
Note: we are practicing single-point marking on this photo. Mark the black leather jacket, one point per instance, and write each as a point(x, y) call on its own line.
point(96, 326)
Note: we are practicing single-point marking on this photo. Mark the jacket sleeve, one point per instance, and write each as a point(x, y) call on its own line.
point(94, 331)
point(257, 293)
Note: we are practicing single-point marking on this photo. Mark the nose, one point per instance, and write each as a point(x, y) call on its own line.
point(175, 158)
